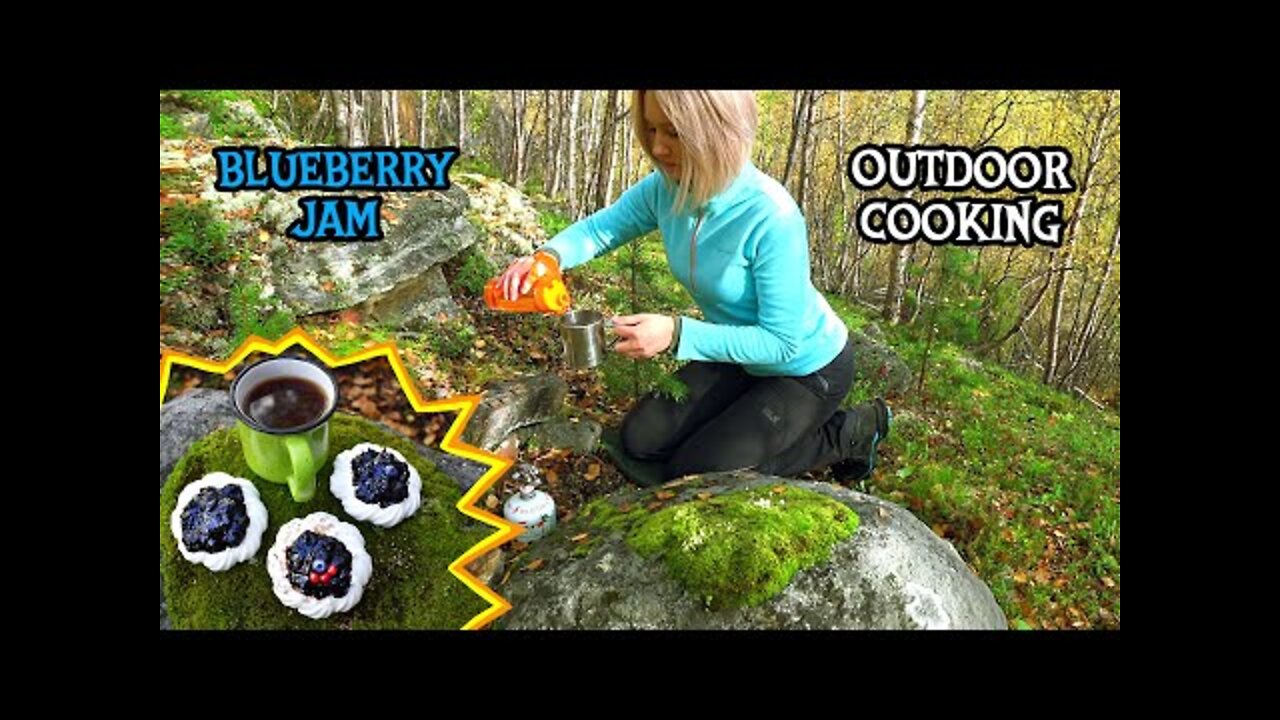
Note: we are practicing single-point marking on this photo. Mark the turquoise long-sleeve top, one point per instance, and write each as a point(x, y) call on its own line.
point(743, 256)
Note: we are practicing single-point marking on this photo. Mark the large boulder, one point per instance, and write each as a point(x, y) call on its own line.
point(744, 550)
point(510, 221)
point(878, 365)
point(580, 436)
point(514, 404)
point(188, 418)
point(380, 275)
point(411, 587)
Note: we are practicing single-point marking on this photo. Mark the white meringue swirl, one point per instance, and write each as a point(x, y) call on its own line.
point(229, 557)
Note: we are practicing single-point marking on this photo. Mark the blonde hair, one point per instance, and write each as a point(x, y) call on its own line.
point(716, 128)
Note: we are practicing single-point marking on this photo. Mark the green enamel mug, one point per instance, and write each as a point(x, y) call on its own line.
point(283, 406)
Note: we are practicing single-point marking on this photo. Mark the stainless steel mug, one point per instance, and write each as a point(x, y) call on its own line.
point(583, 334)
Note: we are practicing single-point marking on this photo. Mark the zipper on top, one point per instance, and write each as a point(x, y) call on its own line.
point(693, 256)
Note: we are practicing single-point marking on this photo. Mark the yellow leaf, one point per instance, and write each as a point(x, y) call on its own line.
point(491, 502)
point(593, 471)
point(263, 235)
point(1020, 578)
point(704, 496)
point(779, 489)
point(580, 537)
point(535, 565)
point(1108, 581)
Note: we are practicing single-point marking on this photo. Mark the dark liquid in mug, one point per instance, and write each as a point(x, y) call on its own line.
point(283, 403)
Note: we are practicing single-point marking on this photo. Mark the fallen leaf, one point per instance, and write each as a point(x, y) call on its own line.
point(655, 505)
point(704, 496)
point(518, 545)
point(664, 495)
point(626, 507)
point(366, 407)
point(535, 565)
point(1020, 578)
point(491, 502)
point(535, 355)
point(263, 235)
point(940, 530)
point(580, 537)
point(350, 317)
point(479, 344)
point(552, 477)
point(1108, 581)
point(1042, 574)
point(882, 512)
point(593, 471)
point(778, 490)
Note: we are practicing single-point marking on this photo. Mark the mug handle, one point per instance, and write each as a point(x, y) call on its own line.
point(302, 481)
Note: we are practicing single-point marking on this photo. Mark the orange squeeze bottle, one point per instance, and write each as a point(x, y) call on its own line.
point(548, 294)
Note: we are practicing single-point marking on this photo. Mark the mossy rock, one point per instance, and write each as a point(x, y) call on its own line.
point(411, 587)
point(739, 548)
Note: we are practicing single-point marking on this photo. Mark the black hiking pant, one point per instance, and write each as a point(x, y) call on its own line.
point(731, 420)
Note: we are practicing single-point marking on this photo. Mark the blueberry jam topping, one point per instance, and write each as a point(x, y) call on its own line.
point(381, 479)
point(319, 566)
point(215, 519)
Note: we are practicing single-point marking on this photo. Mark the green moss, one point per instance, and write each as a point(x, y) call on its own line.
point(411, 585)
point(222, 122)
point(170, 128)
point(739, 548)
point(250, 314)
point(605, 516)
point(195, 234)
point(583, 548)
point(475, 272)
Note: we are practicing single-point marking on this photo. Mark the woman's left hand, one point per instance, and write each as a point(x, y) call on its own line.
point(643, 336)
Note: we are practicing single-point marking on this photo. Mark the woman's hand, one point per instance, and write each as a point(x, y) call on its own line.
point(516, 280)
point(643, 336)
